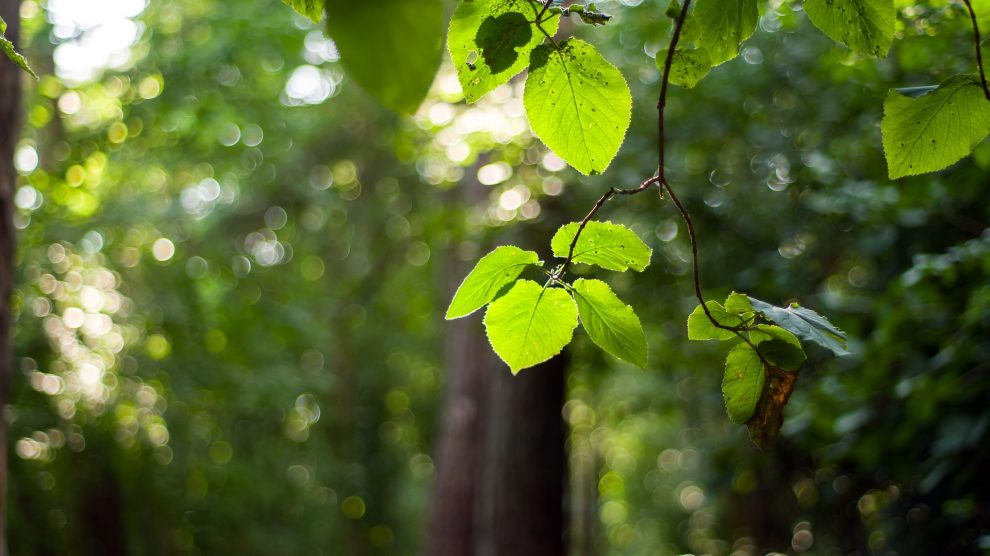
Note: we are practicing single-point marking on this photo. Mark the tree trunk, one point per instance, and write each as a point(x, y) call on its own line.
point(10, 108)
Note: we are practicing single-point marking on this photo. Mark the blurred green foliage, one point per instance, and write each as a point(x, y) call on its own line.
point(233, 268)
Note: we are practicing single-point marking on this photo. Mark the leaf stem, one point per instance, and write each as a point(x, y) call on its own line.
point(979, 53)
point(665, 82)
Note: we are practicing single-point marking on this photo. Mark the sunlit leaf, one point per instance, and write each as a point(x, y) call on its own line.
point(610, 323)
point(530, 324)
point(578, 104)
point(934, 130)
point(490, 42)
point(313, 9)
point(493, 272)
point(700, 327)
point(12, 54)
point(608, 245)
point(778, 346)
point(688, 66)
point(391, 48)
point(742, 383)
point(866, 26)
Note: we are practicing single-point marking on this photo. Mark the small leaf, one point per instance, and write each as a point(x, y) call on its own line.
point(392, 48)
point(313, 9)
point(725, 24)
point(700, 327)
point(764, 425)
point(610, 246)
point(688, 67)
point(742, 384)
point(490, 42)
point(738, 303)
point(8, 49)
point(578, 104)
point(610, 323)
point(934, 130)
point(530, 324)
point(489, 276)
point(805, 324)
point(778, 346)
point(866, 26)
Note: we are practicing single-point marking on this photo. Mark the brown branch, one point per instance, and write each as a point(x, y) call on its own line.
point(665, 81)
point(979, 53)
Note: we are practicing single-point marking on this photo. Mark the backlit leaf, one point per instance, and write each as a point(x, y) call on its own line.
point(866, 26)
point(932, 131)
point(530, 324)
point(725, 24)
point(742, 383)
point(778, 346)
point(688, 67)
point(313, 9)
point(490, 42)
point(608, 245)
point(494, 271)
point(610, 323)
point(578, 104)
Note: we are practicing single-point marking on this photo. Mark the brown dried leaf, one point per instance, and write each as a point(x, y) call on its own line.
point(764, 425)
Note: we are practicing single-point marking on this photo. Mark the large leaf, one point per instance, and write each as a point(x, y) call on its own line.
point(391, 48)
point(805, 324)
point(313, 9)
point(866, 26)
point(778, 346)
point(530, 324)
point(494, 271)
point(610, 323)
point(700, 327)
point(490, 42)
point(687, 67)
point(934, 130)
point(8, 49)
point(578, 104)
point(608, 245)
point(725, 24)
point(742, 383)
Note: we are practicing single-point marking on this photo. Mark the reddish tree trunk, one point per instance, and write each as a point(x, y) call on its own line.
point(10, 108)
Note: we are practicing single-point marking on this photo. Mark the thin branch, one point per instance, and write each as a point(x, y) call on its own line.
point(979, 53)
point(664, 83)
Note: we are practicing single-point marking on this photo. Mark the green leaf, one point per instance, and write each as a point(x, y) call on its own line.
point(688, 67)
point(493, 272)
point(610, 246)
point(742, 383)
point(934, 130)
point(610, 323)
point(530, 324)
point(313, 9)
point(490, 42)
point(391, 48)
point(866, 26)
point(701, 328)
point(8, 49)
point(738, 303)
point(725, 24)
point(778, 346)
point(805, 324)
point(578, 104)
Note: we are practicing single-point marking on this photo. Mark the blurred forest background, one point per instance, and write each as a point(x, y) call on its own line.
point(233, 266)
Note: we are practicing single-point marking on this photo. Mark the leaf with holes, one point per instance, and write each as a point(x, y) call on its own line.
point(933, 131)
point(392, 48)
point(687, 67)
point(742, 383)
point(490, 42)
point(530, 324)
point(610, 323)
point(725, 24)
point(578, 104)
point(493, 272)
point(805, 324)
point(866, 26)
point(610, 246)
